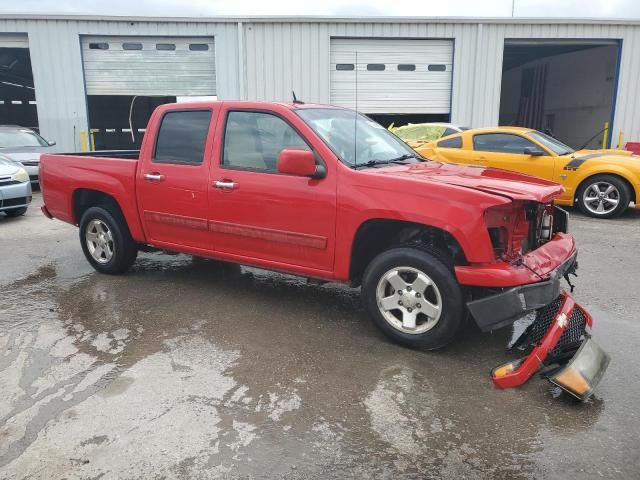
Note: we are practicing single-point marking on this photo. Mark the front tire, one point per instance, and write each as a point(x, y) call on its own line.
point(603, 196)
point(106, 240)
point(413, 298)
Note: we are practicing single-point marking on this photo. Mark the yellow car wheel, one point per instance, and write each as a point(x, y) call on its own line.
point(603, 196)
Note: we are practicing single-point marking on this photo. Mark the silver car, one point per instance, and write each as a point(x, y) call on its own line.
point(25, 146)
point(15, 188)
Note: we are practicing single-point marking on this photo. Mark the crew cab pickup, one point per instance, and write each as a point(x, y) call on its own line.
point(326, 193)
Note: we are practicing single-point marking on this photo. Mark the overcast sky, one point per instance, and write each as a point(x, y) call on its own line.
point(485, 8)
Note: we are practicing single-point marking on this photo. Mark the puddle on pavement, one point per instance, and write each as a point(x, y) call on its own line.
point(200, 368)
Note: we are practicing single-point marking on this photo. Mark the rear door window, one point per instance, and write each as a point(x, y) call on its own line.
point(455, 142)
point(182, 137)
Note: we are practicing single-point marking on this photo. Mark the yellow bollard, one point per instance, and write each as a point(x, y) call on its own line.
point(92, 137)
point(83, 141)
point(605, 135)
point(621, 140)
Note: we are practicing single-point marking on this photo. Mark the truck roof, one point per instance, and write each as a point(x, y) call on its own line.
point(257, 104)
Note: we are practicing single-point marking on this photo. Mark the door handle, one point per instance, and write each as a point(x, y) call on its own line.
point(153, 177)
point(225, 184)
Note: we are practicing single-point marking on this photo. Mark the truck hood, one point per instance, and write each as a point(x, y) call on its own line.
point(515, 186)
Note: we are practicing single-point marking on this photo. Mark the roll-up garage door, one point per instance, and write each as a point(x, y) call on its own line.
point(149, 66)
point(392, 75)
point(14, 40)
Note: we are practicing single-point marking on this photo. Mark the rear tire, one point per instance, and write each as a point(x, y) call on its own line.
point(596, 196)
point(16, 212)
point(106, 240)
point(413, 298)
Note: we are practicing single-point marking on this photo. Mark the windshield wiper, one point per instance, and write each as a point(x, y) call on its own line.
point(399, 160)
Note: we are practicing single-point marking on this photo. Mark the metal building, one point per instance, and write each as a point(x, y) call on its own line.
point(70, 74)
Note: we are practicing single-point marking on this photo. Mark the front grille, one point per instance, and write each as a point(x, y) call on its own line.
point(30, 163)
point(571, 338)
point(12, 202)
point(4, 183)
point(33, 178)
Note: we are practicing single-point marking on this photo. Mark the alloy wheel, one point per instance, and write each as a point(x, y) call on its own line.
point(99, 241)
point(409, 300)
point(601, 198)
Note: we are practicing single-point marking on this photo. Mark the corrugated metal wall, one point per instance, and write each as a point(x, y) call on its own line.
point(57, 64)
point(281, 57)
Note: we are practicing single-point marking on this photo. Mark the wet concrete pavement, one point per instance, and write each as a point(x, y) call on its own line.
point(194, 369)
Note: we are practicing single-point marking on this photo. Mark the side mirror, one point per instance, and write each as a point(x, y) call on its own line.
point(534, 152)
point(51, 143)
point(301, 163)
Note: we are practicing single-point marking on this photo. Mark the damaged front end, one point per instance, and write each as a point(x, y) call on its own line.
point(559, 345)
point(534, 252)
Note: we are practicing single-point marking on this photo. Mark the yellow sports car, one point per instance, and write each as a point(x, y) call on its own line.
point(601, 182)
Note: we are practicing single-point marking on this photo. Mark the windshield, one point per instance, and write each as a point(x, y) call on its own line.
point(356, 139)
point(556, 146)
point(21, 138)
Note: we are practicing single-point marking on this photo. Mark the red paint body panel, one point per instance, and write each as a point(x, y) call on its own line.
point(295, 224)
point(542, 261)
point(65, 174)
point(182, 192)
point(297, 162)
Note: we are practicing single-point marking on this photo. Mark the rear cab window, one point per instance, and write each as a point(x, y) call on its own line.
point(182, 137)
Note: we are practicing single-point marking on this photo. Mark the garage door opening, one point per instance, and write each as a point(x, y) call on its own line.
point(126, 78)
point(562, 87)
point(109, 120)
point(17, 93)
point(399, 119)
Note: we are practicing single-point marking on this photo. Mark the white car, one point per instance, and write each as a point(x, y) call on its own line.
point(426, 132)
point(15, 188)
point(24, 145)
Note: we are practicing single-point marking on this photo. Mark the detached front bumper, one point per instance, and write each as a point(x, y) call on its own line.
point(558, 343)
point(522, 287)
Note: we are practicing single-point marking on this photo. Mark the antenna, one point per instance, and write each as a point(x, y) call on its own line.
point(355, 119)
point(295, 99)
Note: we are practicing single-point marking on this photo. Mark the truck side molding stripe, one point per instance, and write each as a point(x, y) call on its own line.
point(177, 220)
point(282, 236)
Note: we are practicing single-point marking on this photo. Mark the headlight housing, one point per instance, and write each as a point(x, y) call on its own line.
point(20, 176)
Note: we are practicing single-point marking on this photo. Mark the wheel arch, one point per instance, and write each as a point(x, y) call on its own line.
point(379, 234)
point(621, 176)
point(84, 198)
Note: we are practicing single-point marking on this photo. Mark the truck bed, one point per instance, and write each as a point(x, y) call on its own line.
point(128, 154)
point(67, 178)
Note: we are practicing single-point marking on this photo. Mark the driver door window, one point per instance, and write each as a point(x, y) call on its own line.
point(506, 151)
point(254, 140)
point(501, 143)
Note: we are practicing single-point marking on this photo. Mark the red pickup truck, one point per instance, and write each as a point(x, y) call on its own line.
point(326, 193)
